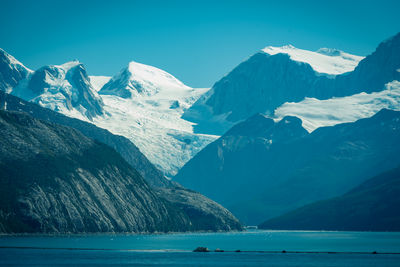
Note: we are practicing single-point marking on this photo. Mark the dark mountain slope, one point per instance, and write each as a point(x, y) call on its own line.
point(121, 144)
point(283, 167)
point(54, 179)
point(371, 206)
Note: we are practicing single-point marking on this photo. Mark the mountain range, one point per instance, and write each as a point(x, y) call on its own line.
point(285, 128)
point(261, 169)
point(278, 75)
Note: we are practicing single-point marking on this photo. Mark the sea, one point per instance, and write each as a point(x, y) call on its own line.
point(247, 248)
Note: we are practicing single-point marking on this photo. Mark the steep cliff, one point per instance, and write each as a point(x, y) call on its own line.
point(54, 179)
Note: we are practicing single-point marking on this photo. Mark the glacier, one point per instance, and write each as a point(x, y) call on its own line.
point(316, 113)
point(145, 104)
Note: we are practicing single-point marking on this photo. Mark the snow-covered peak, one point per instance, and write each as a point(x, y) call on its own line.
point(153, 76)
point(143, 80)
point(12, 60)
point(64, 88)
point(324, 60)
point(68, 65)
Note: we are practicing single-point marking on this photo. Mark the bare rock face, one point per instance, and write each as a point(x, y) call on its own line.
point(202, 212)
point(55, 179)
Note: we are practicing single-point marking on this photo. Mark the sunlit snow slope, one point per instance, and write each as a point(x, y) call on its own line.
point(99, 81)
point(324, 60)
point(145, 104)
point(318, 113)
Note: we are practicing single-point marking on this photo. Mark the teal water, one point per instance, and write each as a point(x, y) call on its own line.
point(259, 248)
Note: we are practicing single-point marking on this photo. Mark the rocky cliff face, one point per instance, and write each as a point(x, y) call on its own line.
point(54, 179)
point(202, 212)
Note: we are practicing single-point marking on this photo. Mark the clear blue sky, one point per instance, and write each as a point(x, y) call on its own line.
point(196, 41)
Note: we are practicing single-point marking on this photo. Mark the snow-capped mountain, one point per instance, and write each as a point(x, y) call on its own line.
point(150, 117)
point(11, 71)
point(170, 121)
point(265, 81)
point(145, 104)
point(142, 80)
point(64, 88)
point(277, 75)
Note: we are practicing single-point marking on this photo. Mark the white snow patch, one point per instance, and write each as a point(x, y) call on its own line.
point(325, 60)
point(99, 81)
point(14, 62)
point(318, 113)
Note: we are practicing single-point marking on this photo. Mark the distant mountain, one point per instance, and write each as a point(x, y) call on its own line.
point(54, 179)
point(11, 71)
point(233, 168)
point(145, 104)
point(142, 103)
point(371, 206)
point(140, 79)
point(277, 75)
point(65, 88)
point(260, 169)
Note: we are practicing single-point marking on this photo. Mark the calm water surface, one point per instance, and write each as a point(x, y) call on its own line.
point(261, 248)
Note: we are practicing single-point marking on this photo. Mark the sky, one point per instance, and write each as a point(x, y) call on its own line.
point(196, 41)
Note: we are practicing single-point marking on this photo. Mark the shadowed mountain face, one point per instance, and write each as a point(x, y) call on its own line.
point(265, 81)
point(371, 206)
point(121, 144)
point(54, 179)
point(277, 167)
